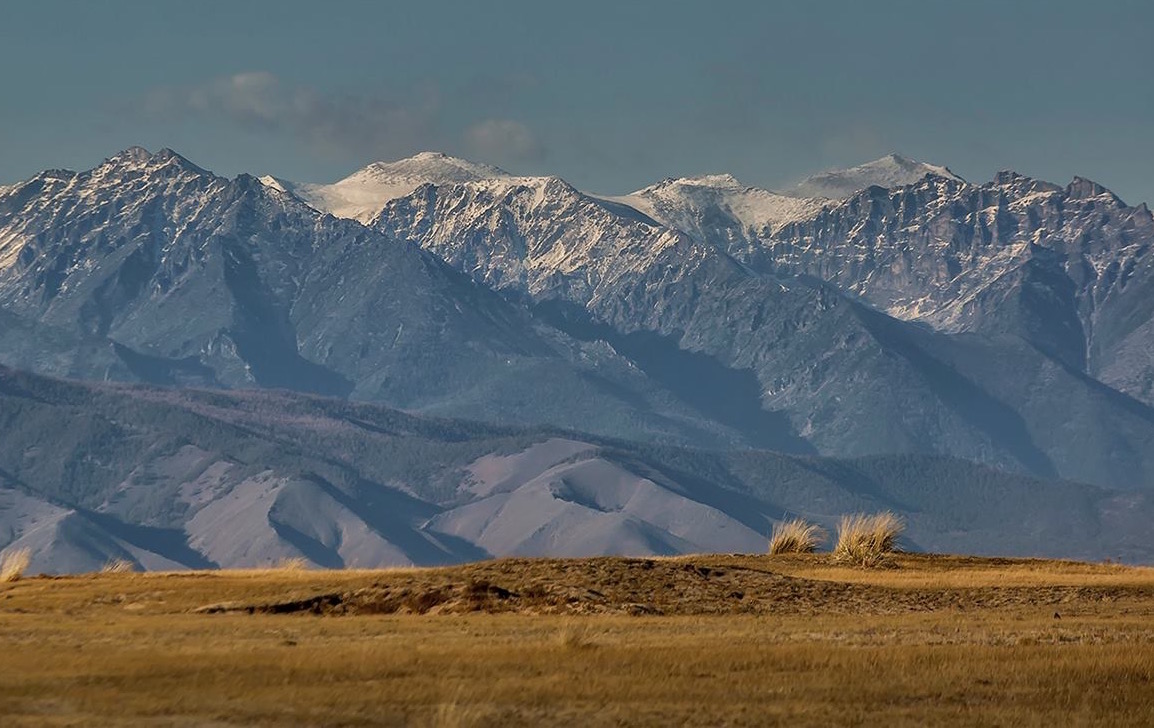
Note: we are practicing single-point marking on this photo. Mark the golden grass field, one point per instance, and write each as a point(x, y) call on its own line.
point(704, 640)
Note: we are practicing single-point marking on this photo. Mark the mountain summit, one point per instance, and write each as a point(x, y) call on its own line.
point(718, 205)
point(363, 193)
point(892, 170)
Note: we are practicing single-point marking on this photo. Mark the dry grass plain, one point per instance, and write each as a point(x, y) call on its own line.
point(704, 640)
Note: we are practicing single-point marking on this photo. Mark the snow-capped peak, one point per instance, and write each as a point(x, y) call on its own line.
point(892, 170)
point(139, 159)
point(132, 155)
point(365, 192)
point(682, 203)
point(274, 183)
point(715, 181)
point(423, 168)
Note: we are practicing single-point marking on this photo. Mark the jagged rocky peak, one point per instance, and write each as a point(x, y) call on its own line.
point(1011, 177)
point(1081, 188)
point(137, 161)
point(132, 155)
point(140, 157)
point(892, 170)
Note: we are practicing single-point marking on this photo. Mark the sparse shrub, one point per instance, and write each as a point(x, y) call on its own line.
point(118, 566)
point(865, 539)
point(13, 564)
point(796, 537)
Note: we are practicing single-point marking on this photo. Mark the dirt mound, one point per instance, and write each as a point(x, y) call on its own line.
point(655, 587)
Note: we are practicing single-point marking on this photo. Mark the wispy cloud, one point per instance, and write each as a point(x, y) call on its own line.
point(362, 125)
point(503, 139)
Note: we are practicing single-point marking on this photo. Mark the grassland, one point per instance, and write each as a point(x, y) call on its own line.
point(709, 640)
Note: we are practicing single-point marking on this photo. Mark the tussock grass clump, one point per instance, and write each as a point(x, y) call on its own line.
point(796, 537)
point(574, 635)
point(118, 566)
point(865, 539)
point(292, 563)
point(13, 564)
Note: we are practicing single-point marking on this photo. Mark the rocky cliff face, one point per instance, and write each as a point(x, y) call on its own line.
point(1066, 268)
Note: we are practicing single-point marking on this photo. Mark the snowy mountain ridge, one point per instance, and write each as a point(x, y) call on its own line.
point(523, 299)
point(892, 170)
point(363, 193)
point(1009, 323)
point(719, 205)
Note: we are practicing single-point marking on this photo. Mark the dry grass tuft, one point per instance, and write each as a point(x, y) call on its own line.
point(865, 539)
point(455, 714)
point(574, 635)
point(118, 566)
point(13, 564)
point(292, 563)
point(796, 537)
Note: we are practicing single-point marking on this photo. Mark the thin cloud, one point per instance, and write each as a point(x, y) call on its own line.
point(503, 140)
point(260, 101)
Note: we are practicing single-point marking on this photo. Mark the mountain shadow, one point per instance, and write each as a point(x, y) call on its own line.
point(729, 396)
point(1004, 426)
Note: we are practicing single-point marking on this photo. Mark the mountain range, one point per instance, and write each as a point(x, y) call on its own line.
point(167, 478)
point(890, 313)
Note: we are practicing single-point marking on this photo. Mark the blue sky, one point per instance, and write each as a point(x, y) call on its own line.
point(609, 95)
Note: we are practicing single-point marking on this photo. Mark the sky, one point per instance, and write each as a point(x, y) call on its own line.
point(612, 96)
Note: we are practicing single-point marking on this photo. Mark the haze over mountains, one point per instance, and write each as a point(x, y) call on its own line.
point(892, 310)
point(168, 478)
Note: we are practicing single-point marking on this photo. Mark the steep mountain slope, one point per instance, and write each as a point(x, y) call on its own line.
point(169, 478)
point(791, 360)
point(892, 170)
point(150, 268)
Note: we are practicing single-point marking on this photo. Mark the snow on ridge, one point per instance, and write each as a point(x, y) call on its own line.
point(274, 183)
point(681, 203)
point(363, 194)
point(137, 158)
point(892, 170)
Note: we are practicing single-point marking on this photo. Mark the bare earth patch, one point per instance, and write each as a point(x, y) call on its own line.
point(692, 586)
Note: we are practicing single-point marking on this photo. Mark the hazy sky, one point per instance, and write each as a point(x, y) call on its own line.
point(609, 95)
